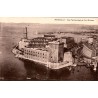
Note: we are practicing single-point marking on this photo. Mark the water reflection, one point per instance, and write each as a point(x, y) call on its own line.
point(39, 72)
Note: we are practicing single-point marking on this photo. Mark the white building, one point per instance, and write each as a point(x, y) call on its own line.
point(23, 43)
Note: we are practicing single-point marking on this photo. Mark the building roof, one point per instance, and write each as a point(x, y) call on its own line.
point(42, 39)
point(41, 49)
point(90, 46)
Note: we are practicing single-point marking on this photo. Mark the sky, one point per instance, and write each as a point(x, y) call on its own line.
point(50, 20)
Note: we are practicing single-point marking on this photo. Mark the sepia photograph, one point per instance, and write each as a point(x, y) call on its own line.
point(48, 49)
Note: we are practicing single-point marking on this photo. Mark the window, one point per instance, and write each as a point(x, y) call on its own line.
point(43, 55)
point(40, 55)
point(35, 53)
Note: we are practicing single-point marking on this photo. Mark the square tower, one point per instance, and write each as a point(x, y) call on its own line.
point(56, 51)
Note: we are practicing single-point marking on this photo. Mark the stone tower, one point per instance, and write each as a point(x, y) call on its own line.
point(56, 51)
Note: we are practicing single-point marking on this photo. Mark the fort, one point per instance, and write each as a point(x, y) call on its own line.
point(49, 50)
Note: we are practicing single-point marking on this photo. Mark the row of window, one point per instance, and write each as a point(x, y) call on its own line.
point(40, 40)
point(38, 43)
point(40, 59)
point(37, 54)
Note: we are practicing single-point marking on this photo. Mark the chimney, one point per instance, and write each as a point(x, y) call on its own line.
point(25, 34)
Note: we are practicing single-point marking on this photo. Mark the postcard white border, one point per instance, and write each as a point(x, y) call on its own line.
point(48, 8)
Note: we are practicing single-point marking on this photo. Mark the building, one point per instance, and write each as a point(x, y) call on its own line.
point(89, 51)
point(47, 50)
point(56, 51)
point(52, 53)
point(77, 39)
point(68, 57)
point(36, 54)
point(68, 42)
point(23, 43)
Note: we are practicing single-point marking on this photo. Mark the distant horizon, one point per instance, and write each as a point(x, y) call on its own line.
point(47, 23)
